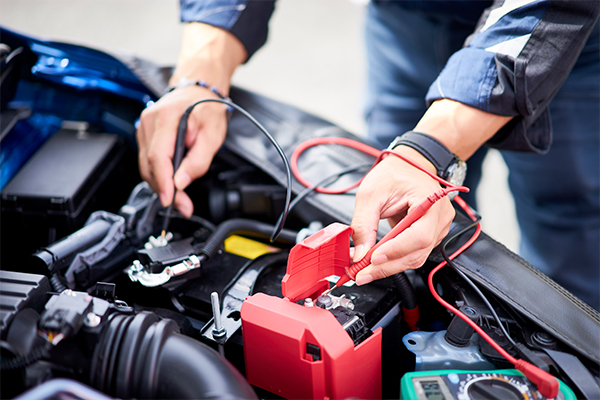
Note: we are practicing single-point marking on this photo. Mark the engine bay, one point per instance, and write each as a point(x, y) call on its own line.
point(100, 301)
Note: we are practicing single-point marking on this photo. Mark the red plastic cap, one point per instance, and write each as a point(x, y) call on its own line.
point(323, 254)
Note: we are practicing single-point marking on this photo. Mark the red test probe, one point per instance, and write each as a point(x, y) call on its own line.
point(414, 215)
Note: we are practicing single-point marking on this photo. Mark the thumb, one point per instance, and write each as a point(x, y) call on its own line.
point(200, 155)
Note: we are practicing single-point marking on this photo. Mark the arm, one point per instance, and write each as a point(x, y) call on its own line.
point(506, 89)
point(225, 37)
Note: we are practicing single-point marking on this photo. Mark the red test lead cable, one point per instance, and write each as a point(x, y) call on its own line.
point(547, 384)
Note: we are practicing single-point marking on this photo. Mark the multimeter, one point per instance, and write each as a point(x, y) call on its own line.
point(503, 384)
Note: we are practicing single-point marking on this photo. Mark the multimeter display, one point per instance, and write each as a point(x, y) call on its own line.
point(432, 390)
point(473, 385)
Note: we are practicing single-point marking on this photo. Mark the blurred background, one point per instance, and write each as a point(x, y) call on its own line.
point(314, 59)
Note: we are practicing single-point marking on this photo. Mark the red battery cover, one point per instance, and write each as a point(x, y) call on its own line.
point(302, 352)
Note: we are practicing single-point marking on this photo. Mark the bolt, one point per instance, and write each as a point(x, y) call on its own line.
point(308, 302)
point(324, 302)
point(543, 339)
point(218, 331)
point(87, 299)
point(91, 320)
point(347, 303)
point(137, 266)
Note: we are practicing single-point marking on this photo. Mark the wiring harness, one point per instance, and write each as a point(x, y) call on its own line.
point(547, 384)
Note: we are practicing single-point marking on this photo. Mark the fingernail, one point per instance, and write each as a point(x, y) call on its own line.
point(363, 279)
point(379, 259)
point(359, 253)
point(182, 180)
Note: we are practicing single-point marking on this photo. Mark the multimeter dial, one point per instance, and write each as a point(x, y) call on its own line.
point(496, 387)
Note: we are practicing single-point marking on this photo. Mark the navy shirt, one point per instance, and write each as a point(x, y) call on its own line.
point(513, 64)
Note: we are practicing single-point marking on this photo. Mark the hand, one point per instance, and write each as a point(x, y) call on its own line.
point(207, 53)
point(389, 191)
point(156, 136)
point(394, 186)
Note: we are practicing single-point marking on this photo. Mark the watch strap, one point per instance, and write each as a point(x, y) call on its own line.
point(432, 149)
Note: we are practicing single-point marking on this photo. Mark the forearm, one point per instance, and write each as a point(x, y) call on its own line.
point(461, 128)
point(210, 54)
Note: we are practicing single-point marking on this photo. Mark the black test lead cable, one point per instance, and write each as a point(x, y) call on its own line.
point(325, 182)
point(444, 250)
point(180, 147)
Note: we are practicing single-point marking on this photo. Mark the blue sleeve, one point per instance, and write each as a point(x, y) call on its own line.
point(515, 62)
point(248, 20)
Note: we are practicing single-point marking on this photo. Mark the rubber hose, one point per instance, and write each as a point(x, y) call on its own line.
point(143, 357)
point(246, 226)
point(405, 290)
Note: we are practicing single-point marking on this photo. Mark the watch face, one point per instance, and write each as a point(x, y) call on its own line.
point(457, 173)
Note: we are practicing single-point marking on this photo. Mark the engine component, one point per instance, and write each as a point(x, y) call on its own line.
point(233, 298)
point(175, 251)
point(59, 254)
point(329, 353)
point(433, 351)
point(143, 357)
point(115, 351)
point(304, 352)
point(508, 384)
point(138, 273)
point(459, 333)
point(139, 211)
point(20, 291)
point(65, 313)
point(61, 388)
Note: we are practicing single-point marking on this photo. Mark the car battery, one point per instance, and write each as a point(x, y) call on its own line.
point(71, 175)
point(310, 346)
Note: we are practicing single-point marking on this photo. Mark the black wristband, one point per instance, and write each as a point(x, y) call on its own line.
point(432, 149)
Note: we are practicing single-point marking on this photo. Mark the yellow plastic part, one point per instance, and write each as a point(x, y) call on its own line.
point(248, 248)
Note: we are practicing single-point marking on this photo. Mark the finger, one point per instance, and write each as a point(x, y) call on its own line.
point(146, 124)
point(184, 204)
point(365, 223)
point(202, 150)
point(396, 256)
point(411, 247)
point(160, 156)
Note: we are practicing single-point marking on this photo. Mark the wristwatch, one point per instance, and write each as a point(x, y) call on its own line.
point(449, 167)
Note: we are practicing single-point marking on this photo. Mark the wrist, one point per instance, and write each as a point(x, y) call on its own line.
point(461, 128)
point(447, 165)
point(208, 54)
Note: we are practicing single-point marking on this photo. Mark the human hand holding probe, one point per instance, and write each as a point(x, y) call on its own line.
point(415, 214)
point(208, 54)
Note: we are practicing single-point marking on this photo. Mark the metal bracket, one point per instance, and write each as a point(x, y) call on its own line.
point(138, 273)
point(232, 305)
